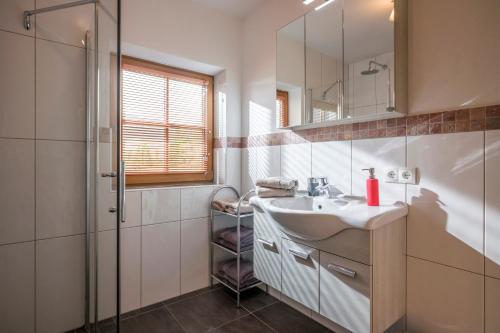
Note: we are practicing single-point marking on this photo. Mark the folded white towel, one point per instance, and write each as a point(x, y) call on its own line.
point(278, 183)
point(266, 192)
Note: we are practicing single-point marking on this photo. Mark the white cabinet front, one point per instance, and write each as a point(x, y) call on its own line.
point(345, 292)
point(301, 273)
point(267, 252)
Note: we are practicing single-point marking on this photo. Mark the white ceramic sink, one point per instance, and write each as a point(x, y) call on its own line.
point(317, 218)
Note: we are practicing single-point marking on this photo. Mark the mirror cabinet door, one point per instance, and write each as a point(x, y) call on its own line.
point(324, 64)
point(369, 57)
point(290, 74)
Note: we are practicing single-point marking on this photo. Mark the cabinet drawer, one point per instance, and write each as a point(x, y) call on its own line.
point(267, 261)
point(301, 273)
point(345, 292)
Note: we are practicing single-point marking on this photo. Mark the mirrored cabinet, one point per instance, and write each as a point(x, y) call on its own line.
point(343, 62)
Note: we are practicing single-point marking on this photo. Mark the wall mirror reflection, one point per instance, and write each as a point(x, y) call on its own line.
point(355, 63)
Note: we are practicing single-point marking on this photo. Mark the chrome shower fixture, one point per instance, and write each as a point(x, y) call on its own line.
point(372, 68)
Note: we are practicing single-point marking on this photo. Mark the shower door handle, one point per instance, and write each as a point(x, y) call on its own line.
point(122, 191)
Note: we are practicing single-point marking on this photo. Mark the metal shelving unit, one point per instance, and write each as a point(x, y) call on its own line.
point(238, 252)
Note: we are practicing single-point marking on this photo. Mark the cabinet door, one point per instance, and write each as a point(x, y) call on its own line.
point(301, 273)
point(267, 251)
point(345, 292)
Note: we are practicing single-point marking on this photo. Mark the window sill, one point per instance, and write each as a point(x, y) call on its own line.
point(139, 187)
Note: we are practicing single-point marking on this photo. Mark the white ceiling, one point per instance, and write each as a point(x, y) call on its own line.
point(238, 8)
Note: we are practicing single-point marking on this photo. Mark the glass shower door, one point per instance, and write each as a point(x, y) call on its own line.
point(108, 181)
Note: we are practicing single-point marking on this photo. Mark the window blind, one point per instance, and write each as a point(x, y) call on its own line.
point(166, 123)
point(282, 108)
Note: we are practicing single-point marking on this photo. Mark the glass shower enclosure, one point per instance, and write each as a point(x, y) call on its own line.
point(104, 172)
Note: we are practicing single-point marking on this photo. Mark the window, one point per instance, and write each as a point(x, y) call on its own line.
point(167, 123)
point(282, 108)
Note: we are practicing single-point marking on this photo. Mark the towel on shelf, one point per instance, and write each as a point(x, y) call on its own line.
point(266, 192)
point(278, 183)
point(231, 206)
point(228, 270)
point(229, 237)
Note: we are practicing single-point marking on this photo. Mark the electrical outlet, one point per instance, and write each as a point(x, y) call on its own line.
point(391, 175)
point(407, 175)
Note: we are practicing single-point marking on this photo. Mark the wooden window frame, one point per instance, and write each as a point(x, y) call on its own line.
point(172, 178)
point(283, 97)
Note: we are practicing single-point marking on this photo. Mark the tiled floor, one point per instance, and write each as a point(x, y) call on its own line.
point(215, 311)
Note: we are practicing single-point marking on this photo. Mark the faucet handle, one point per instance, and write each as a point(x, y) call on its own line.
point(323, 180)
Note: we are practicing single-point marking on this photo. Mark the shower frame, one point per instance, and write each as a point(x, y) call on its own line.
point(92, 173)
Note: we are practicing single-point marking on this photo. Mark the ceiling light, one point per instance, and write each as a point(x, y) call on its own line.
point(306, 2)
point(326, 3)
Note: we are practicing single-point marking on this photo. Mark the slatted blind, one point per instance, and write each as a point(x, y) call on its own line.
point(166, 123)
point(282, 108)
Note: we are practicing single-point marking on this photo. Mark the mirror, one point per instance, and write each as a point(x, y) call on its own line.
point(290, 74)
point(324, 62)
point(355, 64)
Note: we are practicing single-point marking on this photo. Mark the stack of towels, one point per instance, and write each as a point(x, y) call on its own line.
point(276, 187)
point(228, 237)
point(228, 270)
point(231, 206)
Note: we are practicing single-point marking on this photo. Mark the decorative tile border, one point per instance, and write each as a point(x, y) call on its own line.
point(454, 121)
point(229, 142)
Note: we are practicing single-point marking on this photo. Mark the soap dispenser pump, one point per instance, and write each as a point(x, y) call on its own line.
point(372, 198)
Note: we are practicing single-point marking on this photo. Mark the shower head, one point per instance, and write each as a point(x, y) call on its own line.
point(372, 68)
point(370, 71)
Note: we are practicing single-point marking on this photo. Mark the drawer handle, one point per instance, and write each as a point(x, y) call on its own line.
point(301, 255)
point(342, 270)
point(267, 243)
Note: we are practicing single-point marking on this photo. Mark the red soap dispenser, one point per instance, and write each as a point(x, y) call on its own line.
point(372, 188)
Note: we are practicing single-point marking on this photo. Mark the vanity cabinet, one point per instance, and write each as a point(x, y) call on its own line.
point(267, 251)
point(345, 292)
point(356, 278)
point(300, 273)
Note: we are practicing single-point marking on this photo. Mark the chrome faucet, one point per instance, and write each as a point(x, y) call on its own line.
point(319, 186)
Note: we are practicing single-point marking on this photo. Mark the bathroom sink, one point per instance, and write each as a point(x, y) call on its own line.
point(317, 218)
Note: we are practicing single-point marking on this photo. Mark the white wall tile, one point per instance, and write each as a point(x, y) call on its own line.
point(133, 209)
point(443, 299)
point(17, 85)
point(379, 154)
point(492, 306)
point(11, 13)
point(160, 262)
point(66, 26)
point(260, 162)
point(60, 284)
point(194, 255)
point(17, 287)
point(445, 221)
point(60, 188)
point(60, 87)
point(233, 168)
point(492, 212)
point(333, 159)
point(17, 197)
point(160, 206)
point(195, 201)
point(296, 162)
point(130, 271)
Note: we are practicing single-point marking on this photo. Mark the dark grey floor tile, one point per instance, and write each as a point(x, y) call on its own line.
point(285, 319)
point(154, 321)
point(190, 295)
point(206, 311)
point(255, 299)
point(108, 326)
point(247, 324)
